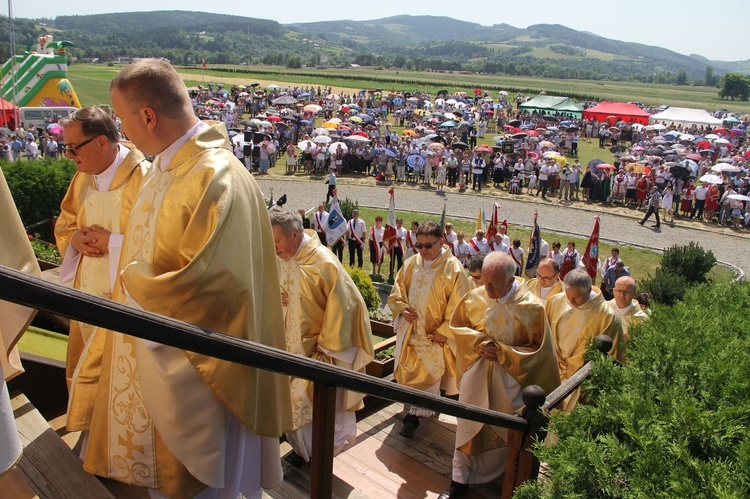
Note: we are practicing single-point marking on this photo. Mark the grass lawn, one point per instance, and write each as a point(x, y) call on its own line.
point(44, 343)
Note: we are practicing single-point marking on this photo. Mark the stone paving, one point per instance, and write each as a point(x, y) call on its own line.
point(618, 225)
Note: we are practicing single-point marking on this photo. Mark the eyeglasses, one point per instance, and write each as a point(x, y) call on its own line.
point(426, 245)
point(73, 151)
point(542, 278)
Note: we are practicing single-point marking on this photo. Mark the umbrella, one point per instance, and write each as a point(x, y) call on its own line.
point(357, 138)
point(484, 148)
point(546, 143)
point(725, 168)
point(738, 197)
point(303, 145)
point(636, 168)
point(265, 123)
point(687, 137)
point(614, 129)
point(519, 135)
point(437, 147)
point(655, 152)
point(694, 157)
point(312, 108)
point(388, 152)
point(415, 160)
point(272, 87)
point(322, 139)
point(703, 144)
point(253, 122)
point(321, 131)
point(274, 118)
point(711, 179)
point(616, 149)
point(606, 166)
point(335, 146)
point(460, 145)
point(549, 117)
point(679, 171)
point(285, 100)
point(409, 133)
point(355, 119)
point(658, 126)
point(330, 125)
point(447, 124)
point(721, 141)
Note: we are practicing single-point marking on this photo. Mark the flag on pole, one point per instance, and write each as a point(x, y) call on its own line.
point(535, 246)
point(480, 220)
point(336, 226)
point(390, 221)
point(591, 256)
point(442, 221)
point(204, 64)
point(492, 228)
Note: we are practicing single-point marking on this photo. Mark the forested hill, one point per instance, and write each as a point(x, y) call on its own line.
point(405, 42)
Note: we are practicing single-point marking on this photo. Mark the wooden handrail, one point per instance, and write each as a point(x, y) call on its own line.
point(37, 293)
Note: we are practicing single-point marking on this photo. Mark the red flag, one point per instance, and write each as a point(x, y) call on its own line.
point(591, 256)
point(390, 221)
point(204, 63)
point(492, 228)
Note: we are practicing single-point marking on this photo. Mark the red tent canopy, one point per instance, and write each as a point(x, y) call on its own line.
point(629, 113)
point(7, 110)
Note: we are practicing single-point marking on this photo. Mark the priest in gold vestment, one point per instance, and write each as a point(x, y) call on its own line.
point(426, 291)
point(15, 253)
point(547, 282)
point(503, 344)
point(325, 318)
point(576, 317)
point(89, 234)
point(626, 306)
point(198, 247)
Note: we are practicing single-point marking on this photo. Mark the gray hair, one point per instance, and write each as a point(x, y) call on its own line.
point(498, 261)
point(288, 221)
point(578, 278)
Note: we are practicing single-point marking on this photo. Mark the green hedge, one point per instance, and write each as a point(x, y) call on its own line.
point(365, 286)
point(38, 186)
point(681, 267)
point(675, 422)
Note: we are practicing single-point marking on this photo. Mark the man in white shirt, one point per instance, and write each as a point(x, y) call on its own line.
point(32, 150)
point(357, 238)
point(498, 244)
point(478, 243)
point(320, 222)
point(398, 248)
point(450, 235)
point(701, 192)
point(543, 179)
point(461, 249)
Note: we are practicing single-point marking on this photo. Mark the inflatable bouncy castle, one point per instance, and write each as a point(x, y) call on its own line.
point(39, 78)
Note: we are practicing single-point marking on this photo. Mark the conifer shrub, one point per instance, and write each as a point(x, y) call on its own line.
point(347, 207)
point(38, 186)
point(691, 262)
point(675, 422)
point(665, 287)
point(365, 287)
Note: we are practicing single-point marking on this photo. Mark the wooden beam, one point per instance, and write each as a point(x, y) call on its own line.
point(324, 415)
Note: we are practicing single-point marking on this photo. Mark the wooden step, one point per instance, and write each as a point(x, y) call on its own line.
point(48, 467)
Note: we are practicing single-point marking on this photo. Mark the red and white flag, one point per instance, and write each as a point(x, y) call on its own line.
point(492, 228)
point(591, 256)
point(204, 63)
point(390, 222)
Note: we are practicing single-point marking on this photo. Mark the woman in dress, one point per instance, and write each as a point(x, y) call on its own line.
point(440, 175)
point(667, 201)
point(642, 186)
point(586, 184)
point(712, 201)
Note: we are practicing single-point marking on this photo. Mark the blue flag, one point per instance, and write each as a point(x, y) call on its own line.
point(336, 223)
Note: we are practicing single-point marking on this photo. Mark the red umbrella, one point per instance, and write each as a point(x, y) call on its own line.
point(532, 133)
point(274, 117)
point(361, 134)
point(484, 148)
point(703, 144)
point(695, 157)
point(606, 166)
point(720, 130)
point(611, 119)
point(532, 155)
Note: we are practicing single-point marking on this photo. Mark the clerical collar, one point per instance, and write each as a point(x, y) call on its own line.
point(505, 298)
point(592, 295)
point(104, 180)
point(167, 155)
point(622, 311)
point(545, 291)
point(428, 264)
point(305, 238)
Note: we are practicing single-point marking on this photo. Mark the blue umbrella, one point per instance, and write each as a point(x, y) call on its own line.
point(305, 122)
point(306, 94)
point(447, 124)
point(398, 100)
point(415, 161)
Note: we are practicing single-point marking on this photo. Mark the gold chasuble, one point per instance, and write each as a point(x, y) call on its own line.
point(325, 319)
point(534, 285)
point(199, 248)
point(84, 206)
point(15, 253)
point(434, 292)
point(518, 326)
point(573, 328)
point(629, 316)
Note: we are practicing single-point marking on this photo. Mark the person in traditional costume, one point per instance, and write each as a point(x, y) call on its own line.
point(503, 344)
point(576, 316)
point(424, 295)
point(180, 423)
point(547, 282)
point(325, 318)
point(89, 235)
point(320, 222)
point(626, 306)
point(377, 251)
point(411, 241)
point(479, 244)
point(15, 253)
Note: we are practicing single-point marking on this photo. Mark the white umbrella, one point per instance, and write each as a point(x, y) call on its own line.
point(450, 116)
point(334, 147)
point(460, 105)
point(265, 123)
point(303, 145)
point(687, 136)
point(659, 126)
point(322, 139)
point(721, 141)
point(312, 108)
point(498, 138)
point(725, 168)
point(546, 143)
point(335, 120)
point(439, 102)
point(738, 197)
point(321, 131)
point(357, 138)
point(711, 179)
point(712, 136)
point(503, 92)
point(451, 102)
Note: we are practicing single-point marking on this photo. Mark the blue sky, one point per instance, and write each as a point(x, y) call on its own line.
point(712, 29)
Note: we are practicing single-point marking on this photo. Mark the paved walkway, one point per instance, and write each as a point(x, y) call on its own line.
point(728, 246)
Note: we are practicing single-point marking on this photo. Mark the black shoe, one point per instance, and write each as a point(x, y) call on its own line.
point(454, 490)
point(640, 222)
point(411, 423)
point(656, 226)
point(295, 459)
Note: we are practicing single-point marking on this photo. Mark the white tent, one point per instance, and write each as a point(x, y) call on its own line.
point(685, 115)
